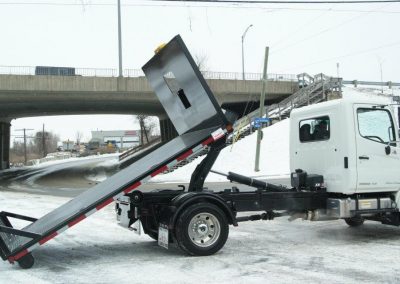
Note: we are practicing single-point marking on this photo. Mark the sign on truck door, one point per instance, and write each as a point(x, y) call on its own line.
point(377, 170)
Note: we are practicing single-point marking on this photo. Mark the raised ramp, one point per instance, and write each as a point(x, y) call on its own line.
point(198, 119)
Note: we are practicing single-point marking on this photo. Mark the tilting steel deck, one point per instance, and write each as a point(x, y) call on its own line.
point(196, 116)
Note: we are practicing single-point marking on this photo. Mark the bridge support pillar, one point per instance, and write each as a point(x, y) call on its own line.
point(167, 130)
point(4, 145)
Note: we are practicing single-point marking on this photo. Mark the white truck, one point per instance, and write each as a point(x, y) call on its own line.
point(352, 144)
point(349, 147)
point(344, 163)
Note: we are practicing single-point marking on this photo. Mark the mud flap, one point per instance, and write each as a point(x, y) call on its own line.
point(163, 235)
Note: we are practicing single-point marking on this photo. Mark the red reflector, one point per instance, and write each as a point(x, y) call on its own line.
point(184, 155)
point(208, 141)
point(18, 255)
point(132, 187)
point(76, 221)
point(104, 204)
point(48, 238)
point(160, 170)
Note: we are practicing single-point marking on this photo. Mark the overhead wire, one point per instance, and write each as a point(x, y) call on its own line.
point(323, 31)
point(299, 28)
point(285, 1)
point(353, 53)
point(189, 4)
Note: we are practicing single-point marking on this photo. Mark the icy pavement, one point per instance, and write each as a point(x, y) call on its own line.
point(99, 251)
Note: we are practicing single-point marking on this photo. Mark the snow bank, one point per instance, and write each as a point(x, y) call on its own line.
point(240, 158)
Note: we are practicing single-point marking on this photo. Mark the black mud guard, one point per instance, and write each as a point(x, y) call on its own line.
point(182, 201)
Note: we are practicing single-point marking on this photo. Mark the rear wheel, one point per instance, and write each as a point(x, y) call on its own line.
point(202, 229)
point(26, 262)
point(355, 221)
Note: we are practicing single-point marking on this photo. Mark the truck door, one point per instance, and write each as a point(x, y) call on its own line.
point(378, 166)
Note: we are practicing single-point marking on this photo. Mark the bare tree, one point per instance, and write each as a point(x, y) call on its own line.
point(48, 145)
point(147, 126)
point(201, 61)
point(143, 131)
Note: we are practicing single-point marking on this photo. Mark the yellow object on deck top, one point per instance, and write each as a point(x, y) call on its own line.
point(161, 46)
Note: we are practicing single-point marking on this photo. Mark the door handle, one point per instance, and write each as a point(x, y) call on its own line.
point(363, 157)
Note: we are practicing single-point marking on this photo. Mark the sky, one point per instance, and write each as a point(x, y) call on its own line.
point(302, 38)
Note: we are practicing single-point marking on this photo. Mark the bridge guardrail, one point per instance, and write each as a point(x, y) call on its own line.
point(111, 72)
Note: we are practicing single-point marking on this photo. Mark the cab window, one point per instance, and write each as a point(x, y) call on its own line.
point(315, 129)
point(376, 124)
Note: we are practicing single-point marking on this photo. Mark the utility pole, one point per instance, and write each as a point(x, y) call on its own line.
point(25, 154)
point(120, 74)
point(262, 99)
point(44, 142)
point(337, 69)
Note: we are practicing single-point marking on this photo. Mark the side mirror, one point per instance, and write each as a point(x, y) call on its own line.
point(387, 149)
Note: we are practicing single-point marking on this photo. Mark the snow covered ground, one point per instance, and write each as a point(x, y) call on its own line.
point(97, 250)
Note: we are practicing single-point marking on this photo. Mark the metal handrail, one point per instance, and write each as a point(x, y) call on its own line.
point(132, 73)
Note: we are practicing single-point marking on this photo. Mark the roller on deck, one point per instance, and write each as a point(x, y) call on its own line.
point(198, 119)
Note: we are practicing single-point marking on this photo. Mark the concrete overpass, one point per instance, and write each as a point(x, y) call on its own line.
point(25, 96)
point(30, 95)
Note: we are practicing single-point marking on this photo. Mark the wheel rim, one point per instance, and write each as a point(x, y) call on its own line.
point(204, 229)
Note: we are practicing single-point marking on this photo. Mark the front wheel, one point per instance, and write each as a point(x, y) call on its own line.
point(355, 221)
point(202, 229)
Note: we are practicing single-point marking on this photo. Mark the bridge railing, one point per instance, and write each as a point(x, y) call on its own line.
point(111, 72)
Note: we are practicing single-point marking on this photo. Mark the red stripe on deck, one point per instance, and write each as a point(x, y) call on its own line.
point(48, 238)
point(208, 141)
point(132, 187)
point(18, 255)
point(159, 171)
point(185, 155)
point(104, 204)
point(76, 221)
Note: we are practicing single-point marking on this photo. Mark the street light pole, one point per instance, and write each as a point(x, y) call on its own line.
point(119, 40)
point(243, 36)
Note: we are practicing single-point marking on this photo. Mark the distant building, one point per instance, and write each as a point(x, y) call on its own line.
point(68, 145)
point(122, 139)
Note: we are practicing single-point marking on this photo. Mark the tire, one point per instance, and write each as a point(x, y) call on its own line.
point(202, 229)
point(26, 262)
point(354, 221)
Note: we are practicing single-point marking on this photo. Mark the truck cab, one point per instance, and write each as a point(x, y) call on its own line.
point(351, 143)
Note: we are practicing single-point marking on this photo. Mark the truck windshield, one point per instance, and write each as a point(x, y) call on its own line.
point(375, 124)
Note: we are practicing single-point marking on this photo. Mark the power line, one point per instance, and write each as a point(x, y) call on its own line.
point(286, 2)
point(354, 53)
point(297, 42)
point(194, 5)
point(299, 28)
